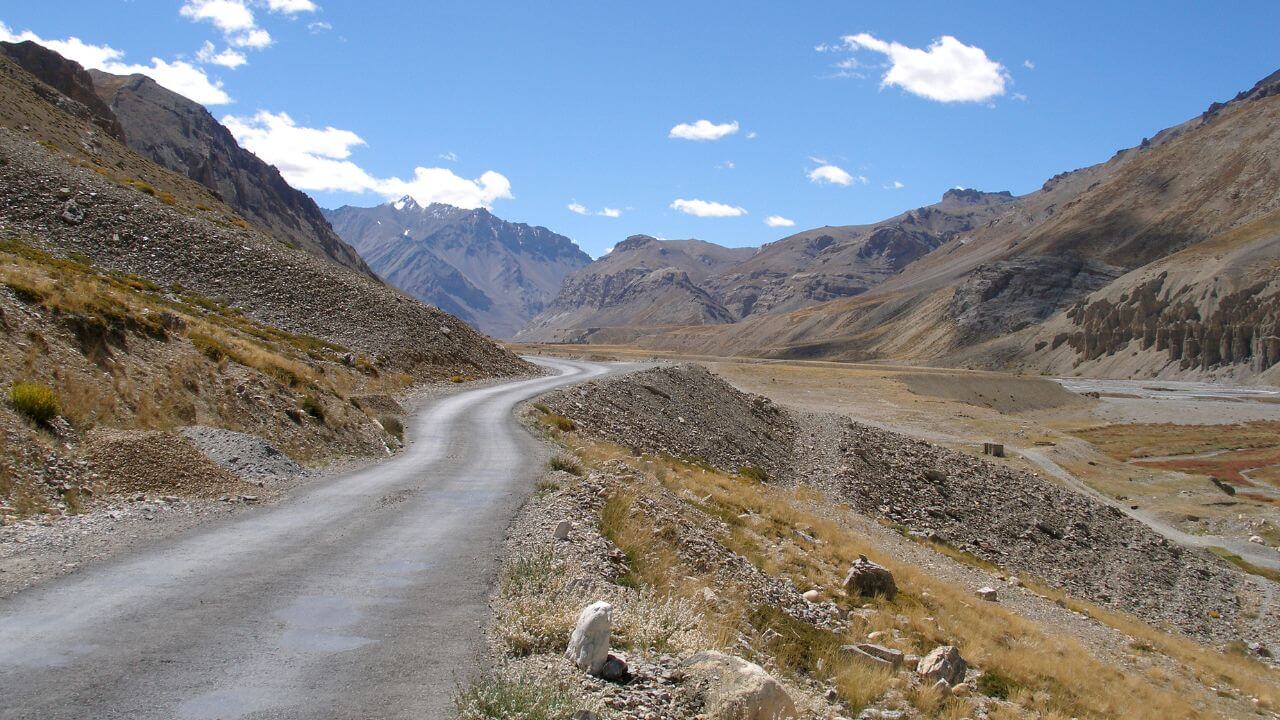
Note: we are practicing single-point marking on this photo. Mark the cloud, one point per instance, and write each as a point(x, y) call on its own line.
point(752, 135)
point(580, 209)
point(228, 58)
point(229, 16)
point(179, 76)
point(703, 130)
point(706, 208)
point(946, 71)
point(256, 39)
point(450, 156)
point(319, 26)
point(832, 175)
point(1019, 97)
point(319, 159)
point(291, 7)
point(1028, 65)
point(779, 221)
point(895, 185)
point(726, 165)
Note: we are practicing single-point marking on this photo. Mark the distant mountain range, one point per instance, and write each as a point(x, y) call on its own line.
point(1162, 261)
point(490, 272)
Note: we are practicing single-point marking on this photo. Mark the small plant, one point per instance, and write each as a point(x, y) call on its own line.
point(166, 197)
point(542, 408)
point(143, 187)
point(457, 379)
point(753, 472)
point(566, 463)
point(37, 402)
point(560, 422)
point(993, 684)
point(502, 697)
point(393, 426)
point(311, 405)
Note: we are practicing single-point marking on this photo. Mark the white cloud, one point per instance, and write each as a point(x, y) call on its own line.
point(1028, 65)
point(229, 16)
point(703, 130)
point(832, 175)
point(726, 165)
point(706, 208)
point(610, 212)
point(319, 26)
point(178, 76)
point(946, 71)
point(1019, 97)
point(256, 39)
point(578, 208)
point(895, 185)
point(228, 58)
point(450, 156)
point(752, 135)
point(319, 159)
point(779, 221)
point(290, 7)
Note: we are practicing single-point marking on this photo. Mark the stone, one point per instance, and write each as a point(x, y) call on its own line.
point(585, 715)
point(961, 690)
point(562, 530)
point(733, 689)
point(709, 596)
point(589, 643)
point(888, 654)
point(614, 669)
point(944, 663)
point(868, 579)
point(72, 213)
point(1257, 540)
point(1015, 582)
point(943, 687)
point(812, 596)
point(872, 655)
point(911, 662)
point(987, 593)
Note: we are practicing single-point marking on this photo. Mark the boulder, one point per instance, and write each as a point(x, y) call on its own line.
point(890, 655)
point(868, 579)
point(589, 643)
point(944, 663)
point(812, 596)
point(986, 593)
point(877, 656)
point(733, 689)
point(615, 669)
point(562, 530)
point(72, 214)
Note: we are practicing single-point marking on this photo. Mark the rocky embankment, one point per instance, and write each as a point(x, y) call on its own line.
point(1019, 521)
point(1194, 330)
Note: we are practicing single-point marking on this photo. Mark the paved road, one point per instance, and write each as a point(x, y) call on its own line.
point(360, 599)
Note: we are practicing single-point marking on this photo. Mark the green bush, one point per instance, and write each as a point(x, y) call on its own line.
point(567, 464)
point(393, 426)
point(37, 402)
point(311, 406)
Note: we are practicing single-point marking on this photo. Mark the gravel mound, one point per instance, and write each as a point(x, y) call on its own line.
point(1012, 518)
point(686, 412)
point(157, 463)
point(247, 456)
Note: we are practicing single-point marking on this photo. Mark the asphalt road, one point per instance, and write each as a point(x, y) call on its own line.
point(360, 598)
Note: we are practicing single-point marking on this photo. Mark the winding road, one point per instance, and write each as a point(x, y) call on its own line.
point(361, 597)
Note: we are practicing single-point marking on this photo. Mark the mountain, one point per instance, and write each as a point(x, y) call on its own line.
point(642, 282)
point(181, 135)
point(490, 272)
point(69, 80)
point(1160, 261)
point(647, 283)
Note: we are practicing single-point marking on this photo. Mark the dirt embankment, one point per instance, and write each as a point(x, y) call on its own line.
point(1011, 518)
point(1005, 394)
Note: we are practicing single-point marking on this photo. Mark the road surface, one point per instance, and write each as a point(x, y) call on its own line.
point(361, 598)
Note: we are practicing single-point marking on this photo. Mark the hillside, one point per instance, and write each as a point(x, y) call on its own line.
point(490, 272)
point(181, 135)
point(642, 282)
point(1064, 279)
point(138, 301)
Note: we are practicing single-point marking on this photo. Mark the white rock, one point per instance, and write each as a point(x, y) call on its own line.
point(736, 689)
point(562, 530)
point(1015, 582)
point(1257, 539)
point(944, 663)
point(589, 643)
point(812, 595)
point(986, 593)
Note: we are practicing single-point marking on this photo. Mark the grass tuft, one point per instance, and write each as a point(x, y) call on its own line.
point(38, 403)
point(566, 463)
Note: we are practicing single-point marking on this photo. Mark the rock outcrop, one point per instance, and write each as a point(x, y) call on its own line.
point(867, 579)
point(71, 80)
point(734, 689)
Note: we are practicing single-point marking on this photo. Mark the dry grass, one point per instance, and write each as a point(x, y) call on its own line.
point(1139, 440)
point(1044, 672)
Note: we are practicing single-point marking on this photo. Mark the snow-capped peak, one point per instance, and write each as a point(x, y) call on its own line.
point(405, 203)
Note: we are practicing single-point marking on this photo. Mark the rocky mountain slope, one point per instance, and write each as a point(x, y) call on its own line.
point(492, 273)
point(646, 283)
point(1067, 279)
point(642, 282)
point(183, 136)
point(131, 297)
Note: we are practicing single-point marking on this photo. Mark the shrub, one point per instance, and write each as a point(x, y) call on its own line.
point(457, 379)
point(143, 187)
point(209, 347)
point(35, 401)
point(504, 697)
point(393, 426)
point(311, 405)
point(753, 472)
point(993, 684)
point(561, 423)
point(567, 464)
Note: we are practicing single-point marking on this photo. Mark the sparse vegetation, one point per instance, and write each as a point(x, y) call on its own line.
point(312, 406)
point(753, 472)
point(500, 697)
point(393, 426)
point(566, 463)
point(38, 403)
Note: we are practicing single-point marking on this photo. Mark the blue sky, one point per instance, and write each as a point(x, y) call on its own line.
point(532, 107)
